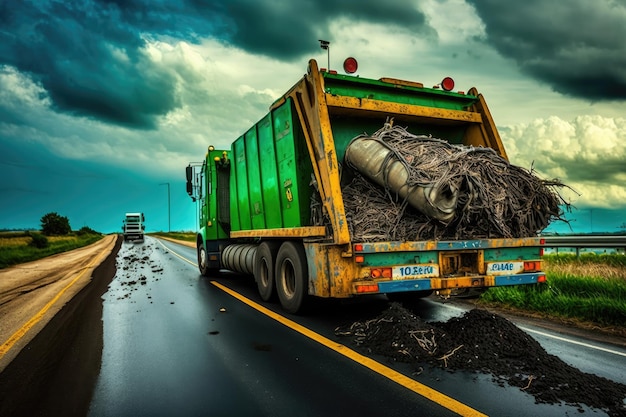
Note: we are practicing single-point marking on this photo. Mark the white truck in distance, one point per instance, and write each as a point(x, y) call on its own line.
point(133, 226)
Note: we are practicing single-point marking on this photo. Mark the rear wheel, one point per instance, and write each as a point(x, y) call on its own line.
point(264, 262)
point(291, 277)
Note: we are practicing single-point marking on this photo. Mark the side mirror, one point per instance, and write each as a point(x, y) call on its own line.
point(189, 173)
point(189, 188)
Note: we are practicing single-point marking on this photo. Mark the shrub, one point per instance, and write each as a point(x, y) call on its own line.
point(39, 241)
point(85, 230)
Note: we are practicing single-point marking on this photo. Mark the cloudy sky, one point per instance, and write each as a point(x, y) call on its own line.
point(104, 103)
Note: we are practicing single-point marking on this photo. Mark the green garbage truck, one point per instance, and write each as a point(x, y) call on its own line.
point(274, 204)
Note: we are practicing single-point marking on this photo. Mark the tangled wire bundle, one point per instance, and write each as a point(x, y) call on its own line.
point(484, 342)
point(495, 198)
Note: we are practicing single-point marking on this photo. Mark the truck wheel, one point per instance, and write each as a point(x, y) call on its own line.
point(203, 260)
point(291, 277)
point(264, 261)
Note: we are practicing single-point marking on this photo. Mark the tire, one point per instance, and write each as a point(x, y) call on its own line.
point(264, 262)
point(203, 260)
point(403, 297)
point(291, 277)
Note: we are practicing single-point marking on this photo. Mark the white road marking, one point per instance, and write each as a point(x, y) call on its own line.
point(176, 254)
point(574, 342)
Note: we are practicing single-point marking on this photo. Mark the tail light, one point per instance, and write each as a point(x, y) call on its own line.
point(365, 288)
point(532, 266)
point(447, 84)
point(381, 273)
point(350, 65)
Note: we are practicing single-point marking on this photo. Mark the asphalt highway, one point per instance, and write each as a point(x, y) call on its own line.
point(187, 345)
point(165, 341)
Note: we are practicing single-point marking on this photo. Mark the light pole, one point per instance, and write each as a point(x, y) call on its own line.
point(169, 218)
point(326, 45)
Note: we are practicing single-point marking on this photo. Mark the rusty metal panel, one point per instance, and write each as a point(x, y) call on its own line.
point(287, 232)
point(330, 273)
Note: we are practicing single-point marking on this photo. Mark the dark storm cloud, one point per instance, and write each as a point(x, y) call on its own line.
point(87, 58)
point(289, 29)
point(89, 55)
point(576, 46)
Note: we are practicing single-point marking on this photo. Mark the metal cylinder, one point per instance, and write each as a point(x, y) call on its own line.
point(379, 164)
point(239, 258)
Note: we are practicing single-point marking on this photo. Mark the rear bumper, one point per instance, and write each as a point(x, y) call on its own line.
point(448, 283)
point(133, 236)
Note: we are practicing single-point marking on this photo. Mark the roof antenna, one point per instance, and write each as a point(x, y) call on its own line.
point(326, 45)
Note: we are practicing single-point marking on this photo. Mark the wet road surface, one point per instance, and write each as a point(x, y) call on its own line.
point(151, 337)
point(176, 344)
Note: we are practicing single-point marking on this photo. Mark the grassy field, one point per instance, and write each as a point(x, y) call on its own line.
point(590, 289)
point(17, 248)
point(186, 236)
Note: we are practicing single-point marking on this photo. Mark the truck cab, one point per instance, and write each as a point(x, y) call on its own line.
point(133, 226)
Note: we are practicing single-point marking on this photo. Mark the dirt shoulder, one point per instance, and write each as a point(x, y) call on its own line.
point(32, 293)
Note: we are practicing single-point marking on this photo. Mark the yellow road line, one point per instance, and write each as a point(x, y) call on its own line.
point(11, 341)
point(175, 254)
point(395, 376)
point(421, 389)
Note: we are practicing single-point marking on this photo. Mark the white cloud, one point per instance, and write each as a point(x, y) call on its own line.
point(17, 89)
point(454, 20)
point(586, 153)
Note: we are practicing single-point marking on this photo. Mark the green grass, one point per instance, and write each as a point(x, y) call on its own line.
point(586, 259)
point(591, 288)
point(15, 247)
point(186, 236)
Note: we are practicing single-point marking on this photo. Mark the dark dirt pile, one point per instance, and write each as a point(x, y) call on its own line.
point(484, 342)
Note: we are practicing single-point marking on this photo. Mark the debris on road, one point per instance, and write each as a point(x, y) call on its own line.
point(480, 341)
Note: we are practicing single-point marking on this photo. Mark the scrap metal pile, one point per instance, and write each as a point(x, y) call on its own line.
point(480, 341)
point(404, 187)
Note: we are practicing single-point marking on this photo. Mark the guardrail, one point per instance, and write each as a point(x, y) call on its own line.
point(583, 242)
